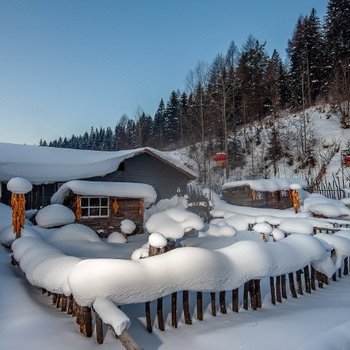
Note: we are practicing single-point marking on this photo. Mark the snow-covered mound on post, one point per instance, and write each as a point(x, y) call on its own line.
point(173, 223)
point(127, 226)
point(19, 185)
point(54, 215)
point(108, 189)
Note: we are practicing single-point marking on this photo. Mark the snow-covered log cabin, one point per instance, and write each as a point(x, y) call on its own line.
point(48, 168)
point(261, 193)
point(104, 205)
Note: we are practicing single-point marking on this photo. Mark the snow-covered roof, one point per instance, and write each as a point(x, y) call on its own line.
point(42, 165)
point(108, 189)
point(267, 185)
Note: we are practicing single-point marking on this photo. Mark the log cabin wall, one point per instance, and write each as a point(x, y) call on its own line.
point(149, 170)
point(119, 210)
point(244, 196)
point(39, 197)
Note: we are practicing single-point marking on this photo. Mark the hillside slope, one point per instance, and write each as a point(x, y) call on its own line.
point(309, 145)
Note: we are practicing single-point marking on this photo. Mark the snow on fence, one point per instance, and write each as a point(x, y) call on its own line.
point(300, 263)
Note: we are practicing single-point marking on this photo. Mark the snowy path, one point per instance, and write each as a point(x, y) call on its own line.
point(318, 321)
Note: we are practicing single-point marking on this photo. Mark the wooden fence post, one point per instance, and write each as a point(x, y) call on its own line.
point(85, 321)
point(148, 317)
point(160, 314)
point(346, 266)
point(278, 289)
point(245, 295)
point(307, 279)
point(200, 306)
point(292, 285)
point(299, 282)
point(174, 309)
point(99, 329)
point(235, 300)
point(284, 286)
point(273, 292)
point(222, 297)
point(313, 278)
point(213, 303)
point(186, 306)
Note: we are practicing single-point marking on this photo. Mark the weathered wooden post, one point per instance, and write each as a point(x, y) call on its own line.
point(291, 285)
point(284, 287)
point(222, 298)
point(200, 306)
point(186, 306)
point(272, 289)
point(157, 244)
point(278, 289)
point(148, 317)
point(299, 282)
point(213, 303)
point(313, 278)
point(19, 187)
point(174, 310)
point(235, 300)
point(99, 329)
point(346, 266)
point(307, 279)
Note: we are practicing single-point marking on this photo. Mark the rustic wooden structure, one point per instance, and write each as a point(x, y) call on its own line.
point(245, 196)
point(144, 165)
point(113, 210)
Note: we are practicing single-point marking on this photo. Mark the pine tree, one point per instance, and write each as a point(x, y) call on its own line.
point(158, 133)
point(172, 118)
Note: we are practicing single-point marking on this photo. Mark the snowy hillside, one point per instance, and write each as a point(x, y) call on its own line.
point(305, 145)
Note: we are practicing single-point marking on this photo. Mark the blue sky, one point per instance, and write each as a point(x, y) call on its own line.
point(68, 65)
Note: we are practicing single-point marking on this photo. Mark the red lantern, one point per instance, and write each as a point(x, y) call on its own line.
point(220, 158)
point(346, 161)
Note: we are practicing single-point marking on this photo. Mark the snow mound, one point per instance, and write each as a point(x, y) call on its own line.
point(54, 215)
point(140, 253)
point(74, 232)
point(296, 226)
point(127, 226)
point(19, 185)
point(320, 205)
point(263, 227)
point(157, 240)
point(277, 234)
point(173, 223)
point(116, 237)
point(220, 230)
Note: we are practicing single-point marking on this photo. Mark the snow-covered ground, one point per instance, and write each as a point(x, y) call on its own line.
point(317, 321)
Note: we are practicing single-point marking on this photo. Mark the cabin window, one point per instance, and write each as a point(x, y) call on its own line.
point(92, 207)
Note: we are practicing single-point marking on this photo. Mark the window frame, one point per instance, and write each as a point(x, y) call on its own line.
point(89, 207)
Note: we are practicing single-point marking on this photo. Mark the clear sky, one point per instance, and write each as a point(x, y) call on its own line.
point(67, 65)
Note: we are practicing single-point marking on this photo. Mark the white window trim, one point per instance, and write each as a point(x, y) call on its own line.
point(99, 207)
